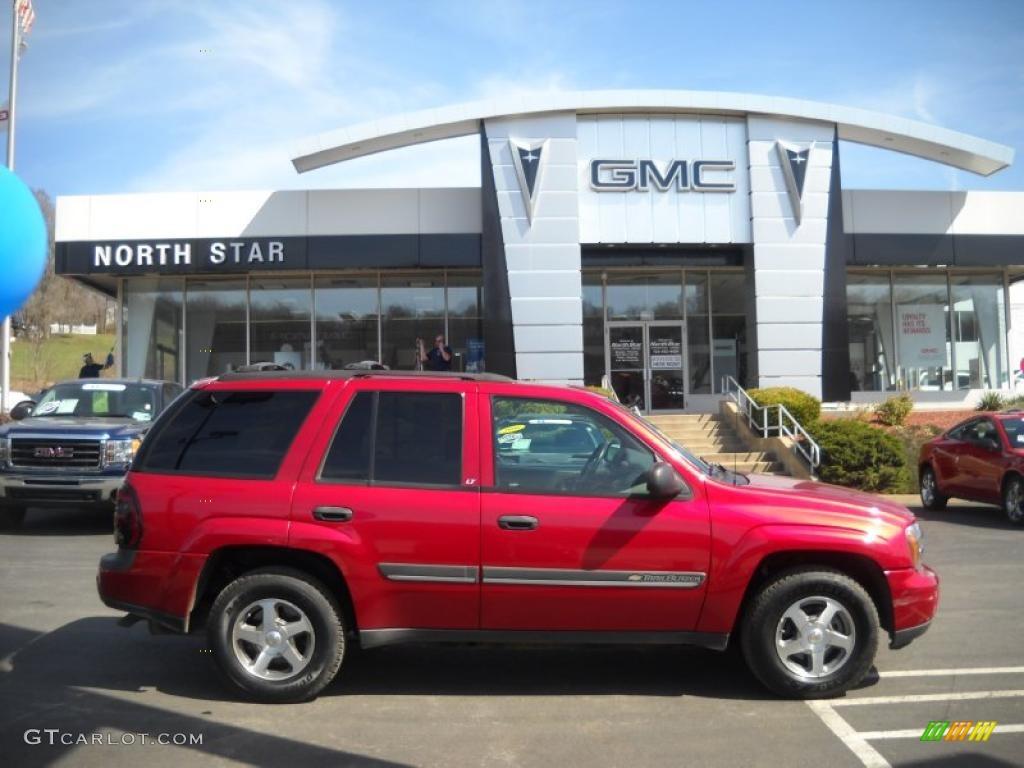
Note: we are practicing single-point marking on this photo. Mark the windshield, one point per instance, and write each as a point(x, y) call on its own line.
point(702, 465)
point(98, 398)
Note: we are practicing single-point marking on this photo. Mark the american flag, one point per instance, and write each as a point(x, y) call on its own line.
point(26, 16)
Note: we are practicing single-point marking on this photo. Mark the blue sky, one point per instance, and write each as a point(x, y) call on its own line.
point(121, 95)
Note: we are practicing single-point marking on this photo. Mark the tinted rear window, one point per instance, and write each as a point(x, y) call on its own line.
point(413, 438)
point(227, 433)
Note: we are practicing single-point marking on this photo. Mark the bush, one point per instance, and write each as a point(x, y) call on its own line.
point(805, 408)
point(912, 438)
point(991, 401)
point(859, 455)
point(894, 411)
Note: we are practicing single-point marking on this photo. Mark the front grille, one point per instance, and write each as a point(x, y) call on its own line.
point(65, 454)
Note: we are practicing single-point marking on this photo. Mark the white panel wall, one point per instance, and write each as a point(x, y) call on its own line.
point(933, 213)
point(789, 259)
point(268, 214)
point(542, 255)
point(663, 217)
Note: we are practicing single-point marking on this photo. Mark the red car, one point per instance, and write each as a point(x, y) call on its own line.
point(296, 515)
point(981, 459)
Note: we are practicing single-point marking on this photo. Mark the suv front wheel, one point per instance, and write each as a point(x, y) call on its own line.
point(810, 634)
point(277, 634)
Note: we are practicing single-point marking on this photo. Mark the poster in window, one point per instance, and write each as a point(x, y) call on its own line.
point(922, 335)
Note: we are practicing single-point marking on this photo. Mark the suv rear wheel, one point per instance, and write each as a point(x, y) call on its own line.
point(277, 634)
point(810, 634)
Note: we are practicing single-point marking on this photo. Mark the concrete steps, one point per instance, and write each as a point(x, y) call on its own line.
point(714, 440)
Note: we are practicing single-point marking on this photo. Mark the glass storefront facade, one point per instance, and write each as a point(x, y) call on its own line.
point(909, 329)
point(927, 330)
point(642, 308)
point(183, 329)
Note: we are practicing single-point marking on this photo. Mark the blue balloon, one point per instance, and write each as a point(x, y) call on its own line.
point(23, 243)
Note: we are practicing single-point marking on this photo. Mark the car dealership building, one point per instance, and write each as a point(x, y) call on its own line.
point(663, 239)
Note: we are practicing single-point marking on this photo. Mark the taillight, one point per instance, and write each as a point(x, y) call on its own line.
point(127, 519)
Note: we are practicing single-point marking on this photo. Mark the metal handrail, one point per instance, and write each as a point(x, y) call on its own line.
point(785, 423)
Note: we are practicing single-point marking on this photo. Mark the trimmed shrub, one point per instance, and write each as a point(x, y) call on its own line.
point(912, 438)
point(805, 408)
point(859, 455)
point(991, 401)
point(894, 411)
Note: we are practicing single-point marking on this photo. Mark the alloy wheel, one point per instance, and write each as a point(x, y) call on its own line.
point(928, 487)
point(1014, 502)
point(815, 637)
point(273, 639)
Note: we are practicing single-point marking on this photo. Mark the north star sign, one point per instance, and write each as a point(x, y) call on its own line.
point(217, 252)
point(643, 175)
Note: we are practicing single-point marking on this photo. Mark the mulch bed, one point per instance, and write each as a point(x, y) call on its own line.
point(941, 419)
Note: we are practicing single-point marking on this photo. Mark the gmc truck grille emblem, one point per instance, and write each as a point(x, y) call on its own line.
point(52, 452)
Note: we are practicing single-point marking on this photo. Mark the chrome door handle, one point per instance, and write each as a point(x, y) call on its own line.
point(332, 514)
point(518, 522)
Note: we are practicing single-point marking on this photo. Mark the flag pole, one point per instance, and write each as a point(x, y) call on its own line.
point(5, 342)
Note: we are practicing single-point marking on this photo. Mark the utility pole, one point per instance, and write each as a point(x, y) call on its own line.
point(5, 342)
point(12, 91)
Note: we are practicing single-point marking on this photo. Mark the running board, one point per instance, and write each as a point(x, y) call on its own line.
point(374, 638)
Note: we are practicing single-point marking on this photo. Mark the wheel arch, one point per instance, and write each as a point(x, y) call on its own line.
point(860, 568)
point(226, 564)
point(1008, 475)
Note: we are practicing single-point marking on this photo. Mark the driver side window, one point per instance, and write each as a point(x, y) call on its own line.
point(550, 447)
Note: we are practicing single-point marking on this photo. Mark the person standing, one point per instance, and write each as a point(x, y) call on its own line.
point(91, 369)
point(439, 358)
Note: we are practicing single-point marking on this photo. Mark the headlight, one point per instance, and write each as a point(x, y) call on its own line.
point(914, 544)
point(5, 449)
point(121, 451)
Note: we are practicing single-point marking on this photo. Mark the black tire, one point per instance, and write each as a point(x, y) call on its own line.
point(12, 516)
point(298, 590)
point(1013, 499)
point(765, 616)
point(934, 501)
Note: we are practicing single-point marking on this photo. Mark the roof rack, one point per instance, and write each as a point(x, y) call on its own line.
point(361, 374)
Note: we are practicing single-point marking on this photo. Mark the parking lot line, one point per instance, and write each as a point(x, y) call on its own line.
point(915, 698)
point(915, 733)
point(949, 672)
point(858, 741)
point(855, 742)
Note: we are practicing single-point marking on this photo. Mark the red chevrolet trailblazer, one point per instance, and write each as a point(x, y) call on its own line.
point(294, 515)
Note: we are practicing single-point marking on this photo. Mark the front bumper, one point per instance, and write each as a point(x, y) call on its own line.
point(51, 489)
point(915, 599)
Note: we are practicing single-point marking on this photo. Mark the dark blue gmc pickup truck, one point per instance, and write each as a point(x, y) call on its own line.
point(76, 444)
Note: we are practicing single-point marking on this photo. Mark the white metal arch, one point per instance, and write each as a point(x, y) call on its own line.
point(912, 137)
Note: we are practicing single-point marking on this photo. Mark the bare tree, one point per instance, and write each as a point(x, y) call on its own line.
point(57, 300)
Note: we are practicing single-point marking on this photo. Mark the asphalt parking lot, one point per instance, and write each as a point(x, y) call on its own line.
point(66, 665)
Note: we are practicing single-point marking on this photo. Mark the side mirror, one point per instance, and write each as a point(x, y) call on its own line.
point(22, 410)
point(663, 482)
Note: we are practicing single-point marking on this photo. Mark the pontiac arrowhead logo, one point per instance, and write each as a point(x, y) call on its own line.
point(528, 158)
point(794, 162)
